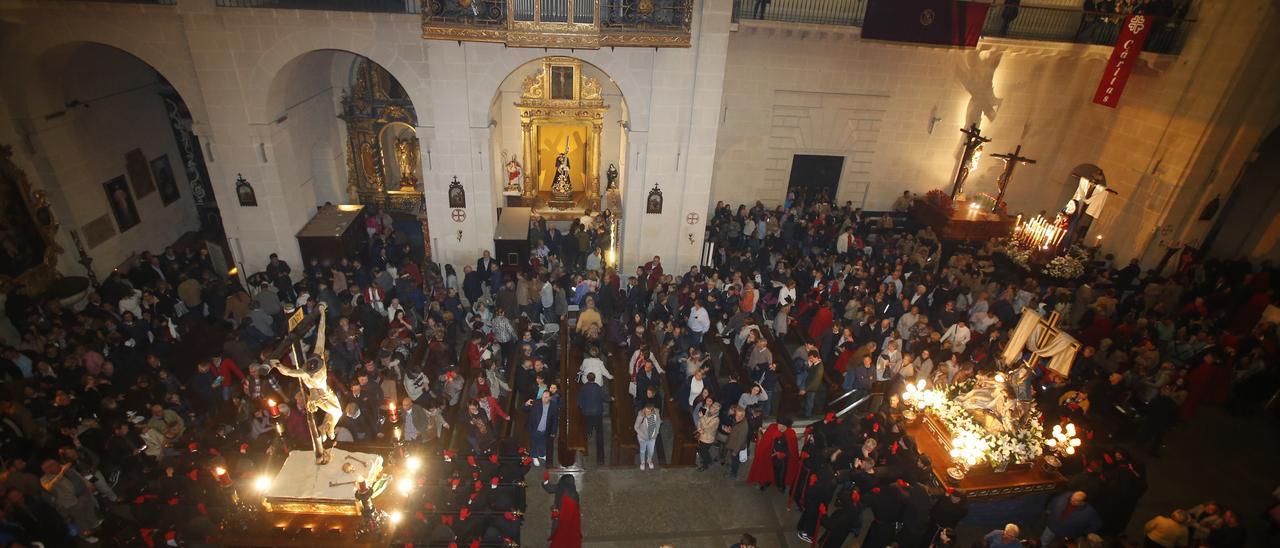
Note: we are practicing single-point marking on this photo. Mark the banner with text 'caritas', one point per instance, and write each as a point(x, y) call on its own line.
point(1133, 34)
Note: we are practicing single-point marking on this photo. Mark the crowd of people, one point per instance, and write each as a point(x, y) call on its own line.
point(99, 418)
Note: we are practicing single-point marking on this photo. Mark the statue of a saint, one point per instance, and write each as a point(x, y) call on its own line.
point(314, 376)
point(611, 178)
point(991, 402)
point(562, 184)
point(515, 176)
point(407, 159)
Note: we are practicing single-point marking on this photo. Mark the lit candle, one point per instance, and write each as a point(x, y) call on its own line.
point(273, 408)
point(221, 474)
point(391, 407)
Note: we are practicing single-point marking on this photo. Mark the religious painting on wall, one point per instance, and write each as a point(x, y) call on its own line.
point(122, 206)
point(135, 164)
point(457, 194)
point(654, 203)
point(562, 83)
point(162, 171)
point(245, 193)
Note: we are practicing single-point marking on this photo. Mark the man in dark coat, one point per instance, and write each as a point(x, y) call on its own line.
point(886, 505)
point(844, 522)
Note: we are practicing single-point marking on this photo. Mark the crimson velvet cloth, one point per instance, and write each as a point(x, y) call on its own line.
point(762, 465)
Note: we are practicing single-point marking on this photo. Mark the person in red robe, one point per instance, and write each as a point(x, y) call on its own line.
point(821, 322)
point(1199, 387)
point(566, 515)
point(777, 458)
point(653, 272)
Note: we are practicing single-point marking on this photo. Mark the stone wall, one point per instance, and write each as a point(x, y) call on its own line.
point(894, 111)
point(718, 120)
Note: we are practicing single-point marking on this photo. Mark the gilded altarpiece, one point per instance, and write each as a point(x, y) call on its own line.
point(562, 115)
point(383, 151)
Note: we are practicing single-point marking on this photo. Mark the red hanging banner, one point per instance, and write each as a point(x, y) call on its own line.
point(1133, 34)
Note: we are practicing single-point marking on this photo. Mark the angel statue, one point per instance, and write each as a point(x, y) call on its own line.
point(314, 376)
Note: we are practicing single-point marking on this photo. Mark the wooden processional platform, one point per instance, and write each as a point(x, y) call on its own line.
point(963, 224)
point(981, 483)
point(303, 507)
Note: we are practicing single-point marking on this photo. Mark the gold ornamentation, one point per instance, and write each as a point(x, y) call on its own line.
point(393, 113)
point(532, 87)
point(645, 7)
point(33, 208)
point(353, 180)
point(590, 88)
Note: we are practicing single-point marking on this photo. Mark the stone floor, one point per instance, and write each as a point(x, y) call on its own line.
point(1231, 460)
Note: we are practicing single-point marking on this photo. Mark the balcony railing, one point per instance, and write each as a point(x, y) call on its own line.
point(146, 2)
point(585, 24)
point(376, 6)
point(1027, 22)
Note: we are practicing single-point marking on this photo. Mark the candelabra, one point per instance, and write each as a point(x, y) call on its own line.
point(85, 259)
point(1062, 443)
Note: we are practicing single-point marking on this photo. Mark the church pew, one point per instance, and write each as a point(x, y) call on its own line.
point(517, 427)
point(623, 445)
point(684, 451)
point(574, 430)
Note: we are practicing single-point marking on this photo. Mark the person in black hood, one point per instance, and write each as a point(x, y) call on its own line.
point(844, 522)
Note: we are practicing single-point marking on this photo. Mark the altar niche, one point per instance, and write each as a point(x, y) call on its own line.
point(383, 153)
point(562, 113)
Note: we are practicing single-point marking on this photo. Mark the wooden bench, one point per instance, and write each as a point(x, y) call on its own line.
point(573, 430)
point(623, 445)
point(517, 427)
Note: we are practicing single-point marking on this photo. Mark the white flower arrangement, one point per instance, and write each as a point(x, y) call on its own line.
point(1022, 444)
point(1065, 267)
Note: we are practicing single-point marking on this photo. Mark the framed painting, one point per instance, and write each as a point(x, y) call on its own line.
point(654, 203)
point(245, 192)
point(135, 164)
point(122, 205)
point(162, 171)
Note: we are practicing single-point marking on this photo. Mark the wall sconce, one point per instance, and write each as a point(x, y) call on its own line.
point(690, 238)
point(459, 235)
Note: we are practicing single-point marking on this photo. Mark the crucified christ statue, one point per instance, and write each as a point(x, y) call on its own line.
point(314, 376)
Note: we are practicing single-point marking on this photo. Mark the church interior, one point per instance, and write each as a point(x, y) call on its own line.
point(624, 273)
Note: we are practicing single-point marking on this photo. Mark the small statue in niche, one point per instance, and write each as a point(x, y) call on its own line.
point(515, 175)
point(407, 159)
point(611, 177)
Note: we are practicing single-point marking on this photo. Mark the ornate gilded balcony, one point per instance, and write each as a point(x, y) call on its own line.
point(577, 24)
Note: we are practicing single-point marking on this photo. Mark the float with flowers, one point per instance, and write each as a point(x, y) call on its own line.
point(983, 434)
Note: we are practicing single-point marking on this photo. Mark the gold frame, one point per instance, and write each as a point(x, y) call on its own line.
point(537, 108)
point(38, 277)
point(557, 34)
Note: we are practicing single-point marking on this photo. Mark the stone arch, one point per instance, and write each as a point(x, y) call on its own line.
point(506, 135)
point(49, 45)
point(291, 48)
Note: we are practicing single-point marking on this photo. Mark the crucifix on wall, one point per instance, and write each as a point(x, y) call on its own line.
point(973, 139)
point(1011, 160)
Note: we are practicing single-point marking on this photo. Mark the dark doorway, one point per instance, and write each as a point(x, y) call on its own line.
point(814, 178)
